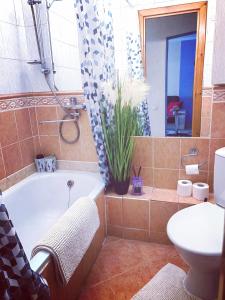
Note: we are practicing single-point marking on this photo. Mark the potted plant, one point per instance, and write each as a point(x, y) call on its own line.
point(119, 128)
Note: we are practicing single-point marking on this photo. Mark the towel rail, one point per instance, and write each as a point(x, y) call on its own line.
point(56, 121)
point(192, 152)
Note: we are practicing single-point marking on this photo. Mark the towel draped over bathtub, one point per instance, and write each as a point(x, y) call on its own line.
point(68, 240)
point(17, 280)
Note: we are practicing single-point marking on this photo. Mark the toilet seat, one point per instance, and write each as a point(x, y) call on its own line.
point(198, 229)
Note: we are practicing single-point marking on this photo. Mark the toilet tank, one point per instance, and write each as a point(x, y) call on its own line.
point(219, 177)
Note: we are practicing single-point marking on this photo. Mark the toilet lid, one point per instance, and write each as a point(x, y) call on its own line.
point(198, 228)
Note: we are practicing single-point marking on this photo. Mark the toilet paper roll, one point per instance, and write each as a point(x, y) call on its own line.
point(192, 169)
point(184, 188)
point(200, 191)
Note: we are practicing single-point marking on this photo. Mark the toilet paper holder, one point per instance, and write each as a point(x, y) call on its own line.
point(192, 152)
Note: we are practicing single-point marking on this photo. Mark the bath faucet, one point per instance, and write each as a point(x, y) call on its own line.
point(73, 104)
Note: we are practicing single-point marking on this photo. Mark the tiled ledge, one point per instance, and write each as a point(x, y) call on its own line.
point(144, 217)
point(157, 194)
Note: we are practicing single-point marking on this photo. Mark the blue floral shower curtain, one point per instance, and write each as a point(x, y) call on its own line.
point(17, 280)
point(97, 65)
point(136, 71)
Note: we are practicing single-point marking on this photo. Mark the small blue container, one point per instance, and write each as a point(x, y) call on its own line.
point(40, 164)
point(50, 163)
point(137, 185)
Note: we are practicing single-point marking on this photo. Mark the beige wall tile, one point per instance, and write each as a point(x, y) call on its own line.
point(206, 107)
point(136, 234)
point(45, 113)
point(37, 146)
point(84, 149)
point(115, 230)
point(147, 175)
point(143, 152)
point(23, 123)
point(2, 166)
point(202, 144)
point(164, 195)
point(8, 128)
point(136, 213)
point(114, 211)
point(33, 120)
point(205, 127)
point(101, 204)
point(12, 158)
point(218, 117)
point(160, 213)
point(165, 178)
point(167, 153)
point(50, 145)
point(27, 151)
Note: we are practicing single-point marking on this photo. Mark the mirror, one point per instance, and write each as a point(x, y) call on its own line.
point(170, 63)
point(173, 42)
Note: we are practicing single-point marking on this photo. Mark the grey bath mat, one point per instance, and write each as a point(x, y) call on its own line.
point(167, 284)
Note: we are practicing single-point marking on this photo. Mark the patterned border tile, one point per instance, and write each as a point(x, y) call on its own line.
point(219, 94)
point(15, 103)
point(24, 102)
point(207, 92)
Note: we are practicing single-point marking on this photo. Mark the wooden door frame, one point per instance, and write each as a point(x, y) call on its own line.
point(201, 9)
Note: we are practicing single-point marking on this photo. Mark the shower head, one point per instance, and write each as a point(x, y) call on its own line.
point(49, 3)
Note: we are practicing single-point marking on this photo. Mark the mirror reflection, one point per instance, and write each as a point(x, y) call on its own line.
point(170, 69)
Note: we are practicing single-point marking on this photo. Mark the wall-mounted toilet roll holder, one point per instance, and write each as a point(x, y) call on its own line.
point(192, 152)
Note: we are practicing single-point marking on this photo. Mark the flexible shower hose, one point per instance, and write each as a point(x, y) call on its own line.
point(37, 29)
point(73, 141)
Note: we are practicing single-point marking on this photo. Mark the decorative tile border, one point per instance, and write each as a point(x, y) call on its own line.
point(15, 103)
point(24, 102)
point(207, 92)
point(219, 94)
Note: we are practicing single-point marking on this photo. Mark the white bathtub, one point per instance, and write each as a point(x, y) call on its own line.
point(35, 204)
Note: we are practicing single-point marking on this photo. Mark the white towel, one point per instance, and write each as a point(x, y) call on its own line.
point(167, 284)
point(68, 240)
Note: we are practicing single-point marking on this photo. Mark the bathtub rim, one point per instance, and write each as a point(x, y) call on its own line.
point(37, 175)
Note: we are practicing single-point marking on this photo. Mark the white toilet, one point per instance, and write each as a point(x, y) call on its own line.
point(197, 233)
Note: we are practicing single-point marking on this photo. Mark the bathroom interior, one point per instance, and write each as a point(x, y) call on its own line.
point(112, 149)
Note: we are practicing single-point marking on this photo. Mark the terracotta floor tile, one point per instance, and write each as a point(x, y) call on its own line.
point(124, 266)
point(114, 258)
point(127, 284)
point(100, 292)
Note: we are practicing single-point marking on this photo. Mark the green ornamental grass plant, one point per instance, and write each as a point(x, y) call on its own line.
point(119, 130)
